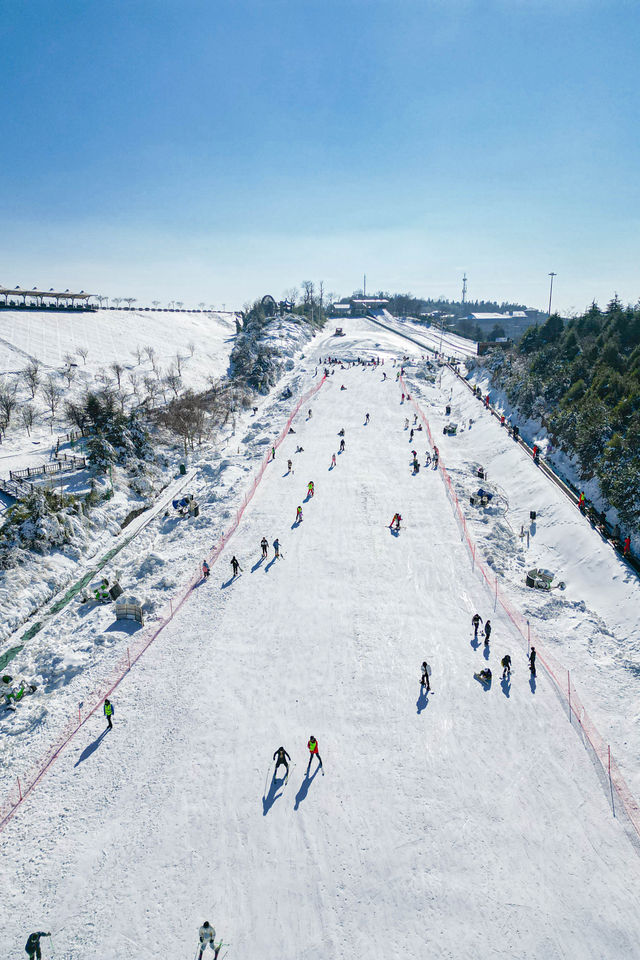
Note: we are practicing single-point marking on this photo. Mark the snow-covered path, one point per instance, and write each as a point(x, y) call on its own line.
point(469, 824)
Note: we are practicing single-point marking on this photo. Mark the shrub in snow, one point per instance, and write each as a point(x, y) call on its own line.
point(40, 521)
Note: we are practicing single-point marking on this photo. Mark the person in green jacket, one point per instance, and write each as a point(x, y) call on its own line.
point(108, 712)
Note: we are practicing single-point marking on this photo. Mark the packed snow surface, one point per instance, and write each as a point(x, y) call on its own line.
point(463, 823)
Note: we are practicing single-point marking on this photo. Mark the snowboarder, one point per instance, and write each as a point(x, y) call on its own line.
point(532, 661)
point(484, 676)
point(415, 419)
point(265, 547)
point(341, 432)
point(402, 401)
point(313, 750)
point(310, 488)
point(281, 756)
point(33, 945)
point(424, 681)
point(366, 419)
point(487, 632)
point(396, 519)
point(299, 515)
point(236, 566)
point(427, 459)
point(506, 666)
point(415, 465)
point(333, 459)
point(299, 449)
point(289, 466)
point(276, 547)
point(342, 445)
point(343, 387)
point(108, 712)
point(207, 936)
point(476, 620)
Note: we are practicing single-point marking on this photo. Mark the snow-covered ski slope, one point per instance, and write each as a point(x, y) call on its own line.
point(436, 341)
point(467, 824)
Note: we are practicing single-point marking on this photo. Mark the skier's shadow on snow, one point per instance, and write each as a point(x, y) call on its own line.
point(422, 700)
point(227, 583)
point(304, 787)
point(486, 652)
point(86, 753)
point(307, 498)
point(532, 683)
point(270, 564)
point(505, 683)
point(257, 564)
point(272, 796)
point(475, 643)
point(394, 533)
point(295, 525)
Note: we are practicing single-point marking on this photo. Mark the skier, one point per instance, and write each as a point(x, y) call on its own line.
point(343, 387)
point(411, 436)
point(289, 466)
point(236, 566)
point(416, 465)
point(384, 376)
point(366, 419)
point(310, 488)
point(206, 570)
point(341, 432)
point(108, 712)
point(406, 423)
point(402, 398)
point(333, 459)
point(207, 936)
point(626, 548)
point(487, 632)
point(276, 547)
point(33, 945)
point(299, 515)
point(532, 661)
point(396, 519)
point(313, 749)
point(282, 756)
point(342, 445)
point(309, 414)
point(273, 453)
point(424, 681)
point(506, 666)
point(415, 419)
point(265, 547)
point(427, 459)
point(476, 620)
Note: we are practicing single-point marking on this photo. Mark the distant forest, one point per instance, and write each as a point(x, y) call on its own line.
point(582, 381)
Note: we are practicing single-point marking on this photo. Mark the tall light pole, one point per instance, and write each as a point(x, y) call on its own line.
point(552, 275)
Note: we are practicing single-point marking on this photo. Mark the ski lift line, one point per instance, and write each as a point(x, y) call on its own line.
point(563, 485)
point(418, 343)
point(10, 807)
point(553, 668)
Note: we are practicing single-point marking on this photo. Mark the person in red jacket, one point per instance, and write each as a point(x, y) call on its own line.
point(627, 546)
point(313, 751)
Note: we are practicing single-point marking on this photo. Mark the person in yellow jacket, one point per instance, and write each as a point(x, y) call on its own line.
point(108, 712)
point(313, 751)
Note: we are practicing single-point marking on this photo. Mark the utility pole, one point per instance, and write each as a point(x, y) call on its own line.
point(552, 275)
point(464, 288)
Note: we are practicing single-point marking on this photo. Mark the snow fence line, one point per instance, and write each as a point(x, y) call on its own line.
point(23, 787)
point(558, 674)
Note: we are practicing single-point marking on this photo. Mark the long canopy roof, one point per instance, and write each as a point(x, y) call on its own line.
point(19, 292)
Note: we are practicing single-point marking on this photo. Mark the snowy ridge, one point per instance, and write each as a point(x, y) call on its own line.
point(552, 666)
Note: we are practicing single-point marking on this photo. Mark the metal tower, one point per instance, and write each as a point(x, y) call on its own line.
point(464, 288)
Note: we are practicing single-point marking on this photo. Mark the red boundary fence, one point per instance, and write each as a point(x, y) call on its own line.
point(25, 786)
point(558, 674)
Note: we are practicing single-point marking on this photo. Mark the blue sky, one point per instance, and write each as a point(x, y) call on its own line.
point(219, 149)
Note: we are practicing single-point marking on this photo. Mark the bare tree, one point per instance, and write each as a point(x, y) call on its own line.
point(155, 303)
point(28, 416)
point(69, 359)
point(52, 395)
point(150, 353)
point(103, 377)
point(137, 353)
point(173, 381)
point(121, 397)
point(117, 300)
point(135, 385)
point(31, 376)
point(151, 387)
point(69, 373)
point(179, 304)
point(192, 347)
point(84, 353)
point(179, 363)
point(129, 301)
point(117, 369)
point(201, 305)
point(8, 400)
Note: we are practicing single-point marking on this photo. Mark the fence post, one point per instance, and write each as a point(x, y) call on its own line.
point(528, 637)
point(171, 605)
point(569, 691)
point(129, 658)
point(495, 603)
point(19, 788)
point(609, 749)
point(79, 714)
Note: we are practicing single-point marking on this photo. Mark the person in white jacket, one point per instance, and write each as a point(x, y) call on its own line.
point(208, 936)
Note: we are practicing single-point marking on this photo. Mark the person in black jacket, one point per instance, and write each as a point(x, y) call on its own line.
point(532, 661)
point(33, 945)
point(282, 757)
point(476, 620)
point(265, 546)
point(487, 632)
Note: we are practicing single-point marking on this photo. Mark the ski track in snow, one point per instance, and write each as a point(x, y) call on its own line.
point(465, 824)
